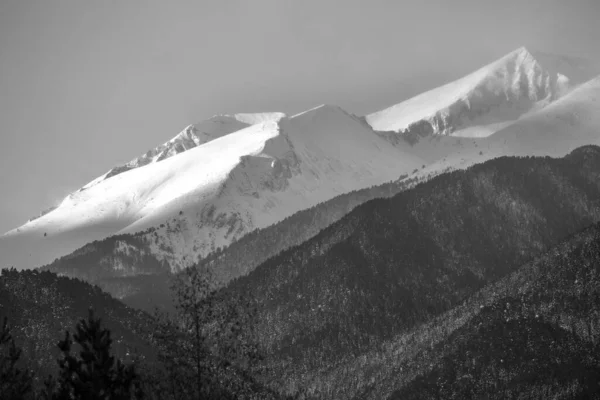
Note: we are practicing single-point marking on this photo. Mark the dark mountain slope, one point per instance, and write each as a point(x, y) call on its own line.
point(391, 265)
point(116, 256)
point(538, 336)
point(40, 306)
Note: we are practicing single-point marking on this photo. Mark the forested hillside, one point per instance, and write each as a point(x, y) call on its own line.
point(394, 264)
point(40, 306)
point(536, 337)
point(171, 359)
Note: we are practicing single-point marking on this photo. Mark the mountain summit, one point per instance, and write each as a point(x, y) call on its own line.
point(192, 136)
point(485, 100)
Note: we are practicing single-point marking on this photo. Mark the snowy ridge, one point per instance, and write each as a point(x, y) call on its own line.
point(192, 136)
point(486, 100)
point(556, 130)
point(319, 154)
point(212, 194)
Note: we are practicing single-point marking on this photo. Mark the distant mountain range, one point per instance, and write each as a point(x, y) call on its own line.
point(218, 180)
point(223, 178)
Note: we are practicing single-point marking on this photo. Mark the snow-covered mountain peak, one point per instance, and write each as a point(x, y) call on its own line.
point(190, 137)
point(328, 114)
point(320, 110)
point(565, 124)
point(522, 52)
point(328, 127)
point(485, 100)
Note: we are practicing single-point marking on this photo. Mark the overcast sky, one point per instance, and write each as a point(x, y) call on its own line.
point(87, 84)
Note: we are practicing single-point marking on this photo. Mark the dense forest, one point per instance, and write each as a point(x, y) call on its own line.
point(159, 356)
point(536, 337)
point(394, 264)
point(41, 306)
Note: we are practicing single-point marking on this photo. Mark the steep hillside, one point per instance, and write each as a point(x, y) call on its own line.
point(215, 193)
point(488, 99)
point(124, 265)
point(40, 306)
point(539, 288)
point(535, 334)
point(391, 265)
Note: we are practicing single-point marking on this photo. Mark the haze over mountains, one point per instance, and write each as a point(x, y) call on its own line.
point(224, 177)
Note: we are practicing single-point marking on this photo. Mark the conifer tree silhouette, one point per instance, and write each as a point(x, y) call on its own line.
point(94, 374)
point(207, 347)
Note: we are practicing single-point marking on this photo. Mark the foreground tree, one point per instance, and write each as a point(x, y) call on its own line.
point(15, 383)
point(93, 374)
point(194, 308)
point(205, 349)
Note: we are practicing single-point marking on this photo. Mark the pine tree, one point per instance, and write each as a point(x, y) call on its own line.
point(94, 374)
point(15, 383)
point(193, 306)
point(205, 349)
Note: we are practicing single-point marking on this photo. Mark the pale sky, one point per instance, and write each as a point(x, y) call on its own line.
point(88, 84)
